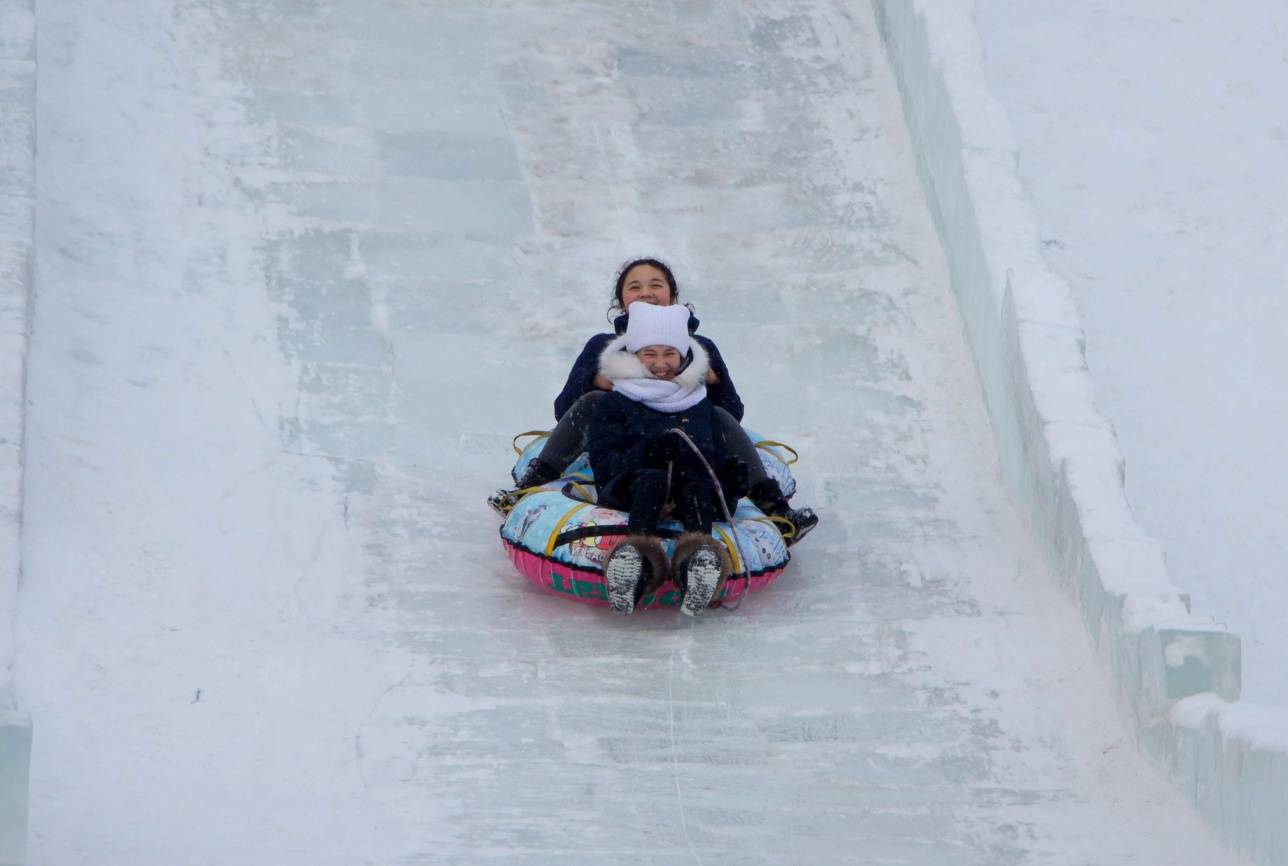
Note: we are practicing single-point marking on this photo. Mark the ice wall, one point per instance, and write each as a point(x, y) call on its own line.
point(1176, 671)
point(17, 195)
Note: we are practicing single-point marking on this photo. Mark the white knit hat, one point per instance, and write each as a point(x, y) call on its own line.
point(651, 325)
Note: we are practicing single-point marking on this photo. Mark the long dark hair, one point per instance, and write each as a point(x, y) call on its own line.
point(631, 265)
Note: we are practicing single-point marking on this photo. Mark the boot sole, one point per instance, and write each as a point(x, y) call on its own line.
point(702, 576)
point(622, 574)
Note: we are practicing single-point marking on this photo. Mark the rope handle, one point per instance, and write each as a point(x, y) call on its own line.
point(769, 444)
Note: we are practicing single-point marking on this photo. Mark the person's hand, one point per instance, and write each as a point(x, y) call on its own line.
point(602, 383)
point(712, 378)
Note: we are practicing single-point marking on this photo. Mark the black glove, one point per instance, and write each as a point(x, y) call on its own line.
point(662, 449)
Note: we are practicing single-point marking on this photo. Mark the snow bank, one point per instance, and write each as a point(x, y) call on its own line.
point(1059, 455)
point(17, 202)
point(1147, 144)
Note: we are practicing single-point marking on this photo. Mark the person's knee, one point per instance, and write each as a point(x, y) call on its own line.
point(588, 400)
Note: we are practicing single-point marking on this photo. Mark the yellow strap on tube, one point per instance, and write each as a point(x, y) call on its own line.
point(778, 523)
point(767, 444)
point(550, 545)
point(732, 548)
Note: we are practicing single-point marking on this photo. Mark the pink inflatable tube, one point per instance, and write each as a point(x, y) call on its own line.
point(587, 585)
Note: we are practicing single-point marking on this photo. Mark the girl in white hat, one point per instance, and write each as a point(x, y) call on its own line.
point(655, 441)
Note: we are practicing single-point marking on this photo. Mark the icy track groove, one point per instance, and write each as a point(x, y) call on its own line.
point(305, 266)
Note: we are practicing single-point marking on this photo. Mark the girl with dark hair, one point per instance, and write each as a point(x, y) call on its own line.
point(649, 281)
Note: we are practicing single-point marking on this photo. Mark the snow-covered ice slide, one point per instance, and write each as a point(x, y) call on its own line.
point(306, 265)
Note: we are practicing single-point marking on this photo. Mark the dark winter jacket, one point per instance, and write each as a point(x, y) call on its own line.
point(581, 380)
point(623, 437)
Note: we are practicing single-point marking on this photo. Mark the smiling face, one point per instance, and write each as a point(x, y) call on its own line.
point(662, 362)
point(648, 284)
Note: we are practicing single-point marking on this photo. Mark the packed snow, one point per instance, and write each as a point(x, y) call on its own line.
point(304, 269)
point(1154, 143)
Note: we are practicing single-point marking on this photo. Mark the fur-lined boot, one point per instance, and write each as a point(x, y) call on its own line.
point(636, 565)
point(700, 567)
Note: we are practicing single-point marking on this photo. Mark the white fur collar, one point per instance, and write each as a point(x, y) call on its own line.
point(616, 363)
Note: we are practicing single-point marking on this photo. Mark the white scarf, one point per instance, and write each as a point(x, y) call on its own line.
point(660, 394)
point(631, 379)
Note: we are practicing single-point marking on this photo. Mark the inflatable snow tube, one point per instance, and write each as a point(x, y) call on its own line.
point(558, 538)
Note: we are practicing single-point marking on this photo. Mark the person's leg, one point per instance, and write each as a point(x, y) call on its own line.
point(637, 563)
point(768, 497)
point(742, 447)
point(564, 444)
point(648, 498)
point(696, 506)
point(700, 566)
point(635, 566)
point(764, 493)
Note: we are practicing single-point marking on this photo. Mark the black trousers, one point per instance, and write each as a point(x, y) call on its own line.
point(695, 501)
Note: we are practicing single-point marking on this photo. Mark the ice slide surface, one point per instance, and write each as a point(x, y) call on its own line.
point(303, 269)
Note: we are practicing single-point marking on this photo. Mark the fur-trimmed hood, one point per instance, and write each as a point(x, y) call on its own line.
point(615, 363)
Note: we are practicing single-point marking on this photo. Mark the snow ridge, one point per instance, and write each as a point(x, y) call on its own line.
point(1178, 673)
point(17, 211)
